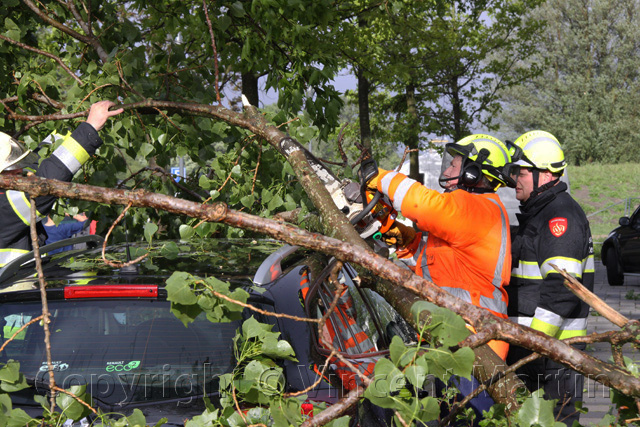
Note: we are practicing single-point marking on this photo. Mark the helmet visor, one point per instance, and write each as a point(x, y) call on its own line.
point(511, 171)
point(450, 170)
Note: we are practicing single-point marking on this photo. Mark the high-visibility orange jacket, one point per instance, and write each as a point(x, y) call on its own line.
point(465, 247)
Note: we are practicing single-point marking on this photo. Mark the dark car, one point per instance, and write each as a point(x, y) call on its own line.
point(112, 329)
point(621, 249)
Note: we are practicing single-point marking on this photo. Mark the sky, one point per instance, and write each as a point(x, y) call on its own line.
point(345, 80)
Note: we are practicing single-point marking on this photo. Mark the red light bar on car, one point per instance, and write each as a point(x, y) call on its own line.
point(111, 291)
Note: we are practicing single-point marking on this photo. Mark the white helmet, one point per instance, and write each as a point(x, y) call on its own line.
point(14, 155)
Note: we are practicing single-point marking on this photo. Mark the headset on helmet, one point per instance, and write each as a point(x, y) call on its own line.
point(480, 155)
point(14, 155)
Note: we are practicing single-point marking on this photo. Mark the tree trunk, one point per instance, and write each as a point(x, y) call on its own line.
point(413, 141)
point(250, 88)
point(363, 110)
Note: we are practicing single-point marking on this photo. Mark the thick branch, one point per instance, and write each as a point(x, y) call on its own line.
point(592, 299)
point(505, 330)
point(42, 52)
point(90, 40)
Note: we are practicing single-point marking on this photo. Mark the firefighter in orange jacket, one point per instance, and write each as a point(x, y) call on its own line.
point(464, 244)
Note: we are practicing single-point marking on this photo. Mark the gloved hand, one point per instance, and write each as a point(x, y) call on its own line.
point(399, 235)
point(372, 184)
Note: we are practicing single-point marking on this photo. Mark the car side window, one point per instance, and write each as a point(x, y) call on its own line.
point(363, 321)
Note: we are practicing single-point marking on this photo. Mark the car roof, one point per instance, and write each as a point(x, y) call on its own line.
point(233, 260)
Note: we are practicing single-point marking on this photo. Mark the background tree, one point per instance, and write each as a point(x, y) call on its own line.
point(587, 95)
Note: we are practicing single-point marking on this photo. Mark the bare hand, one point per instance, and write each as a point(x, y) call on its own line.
point(99, 113)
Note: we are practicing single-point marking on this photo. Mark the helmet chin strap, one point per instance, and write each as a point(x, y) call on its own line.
point(536, 180)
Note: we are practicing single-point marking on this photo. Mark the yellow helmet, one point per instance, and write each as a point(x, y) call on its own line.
point(540, 150)
point(14, 155)
point(482, 154)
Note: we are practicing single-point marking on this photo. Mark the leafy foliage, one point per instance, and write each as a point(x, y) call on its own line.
point(586, 95)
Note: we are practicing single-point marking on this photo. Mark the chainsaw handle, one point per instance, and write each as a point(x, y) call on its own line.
point(356, 219)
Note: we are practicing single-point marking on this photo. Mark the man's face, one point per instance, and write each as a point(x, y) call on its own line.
point(453, 170)
point(524, 186)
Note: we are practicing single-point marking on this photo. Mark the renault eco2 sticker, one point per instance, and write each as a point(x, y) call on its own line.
point(57, 366)
point(120, 366)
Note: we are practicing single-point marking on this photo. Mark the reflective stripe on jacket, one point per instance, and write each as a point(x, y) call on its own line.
point(15, 208)
point(537, 295)
point(346, 335)
point(465, 247)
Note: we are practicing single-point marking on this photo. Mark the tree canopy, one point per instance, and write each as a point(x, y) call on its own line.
point(587, 93)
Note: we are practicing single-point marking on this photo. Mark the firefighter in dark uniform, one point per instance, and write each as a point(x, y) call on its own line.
point(73, 151)
point(553, 229)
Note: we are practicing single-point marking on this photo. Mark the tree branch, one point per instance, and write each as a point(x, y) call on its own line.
point(47, 54)
point(87, 39)
point(479, 318)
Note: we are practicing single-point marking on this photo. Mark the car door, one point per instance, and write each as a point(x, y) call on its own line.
point(630, 244)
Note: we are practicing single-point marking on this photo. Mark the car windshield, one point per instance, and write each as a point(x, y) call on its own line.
point(125, 350)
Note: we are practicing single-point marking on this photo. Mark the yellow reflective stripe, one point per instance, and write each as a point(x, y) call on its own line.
point(71, 154)
point(8, 255)
point(572, 328)
point(527, 270)
point(546, 321)
point(571, 265)
point(541, 326)
point(21, 206)
point(589, 265)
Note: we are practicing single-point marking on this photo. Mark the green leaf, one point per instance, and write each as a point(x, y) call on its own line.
point(237, 9)
point(223, 22)
point(13, 30)
point(340, 422)
point(205, 419)
point(275, 203)
point(186, 232)
point(5, 403)
point(447, 328)
point(204, 182)
point(442, 363)
point(214, 194)
point(182, 151)
point(149, 230)
point(179, 288)
point(19, 418)
point(170, 250)
point(290, 204)
point(10, 372)
point(71, 407)
point(396, 349)
point(537, 411)
point(145, 149)
point(275, 348)
point(430, 409)
point(251, 328)
point(247, 201)
point(416, 375)
point(137, 419)
point(236, 171)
